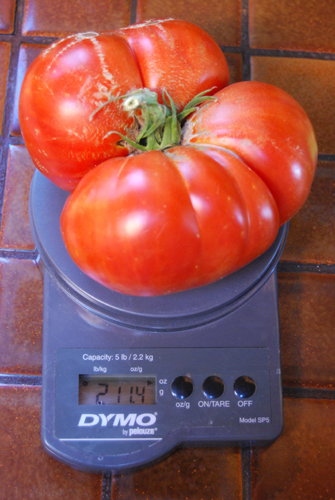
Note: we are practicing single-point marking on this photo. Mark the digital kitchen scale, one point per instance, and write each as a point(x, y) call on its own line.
point(127, 380)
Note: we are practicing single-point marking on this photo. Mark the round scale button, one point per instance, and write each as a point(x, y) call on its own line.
point(244, 387)
point(182, 387)
point(213, 387)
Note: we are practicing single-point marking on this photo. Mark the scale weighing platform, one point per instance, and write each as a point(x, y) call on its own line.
point(127, 380)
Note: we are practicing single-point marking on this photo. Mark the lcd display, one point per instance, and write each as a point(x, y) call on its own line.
point(117, 390)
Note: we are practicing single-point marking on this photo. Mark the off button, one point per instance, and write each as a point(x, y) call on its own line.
point(182, 387)
point(244, 387)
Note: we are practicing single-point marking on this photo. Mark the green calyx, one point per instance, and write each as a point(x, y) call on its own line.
point(160, 124)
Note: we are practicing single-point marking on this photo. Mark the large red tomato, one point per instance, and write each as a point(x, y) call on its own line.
point(74, 76)
point(165, 221)
point(269, 131)
point(162, 222)
point(206, 186)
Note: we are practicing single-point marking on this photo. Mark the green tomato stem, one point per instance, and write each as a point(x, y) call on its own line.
point(161, 127)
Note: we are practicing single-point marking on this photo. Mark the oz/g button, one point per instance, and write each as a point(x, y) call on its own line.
point(182, 387)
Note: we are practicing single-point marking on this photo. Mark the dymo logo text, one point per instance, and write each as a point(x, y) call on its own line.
point(117, 419)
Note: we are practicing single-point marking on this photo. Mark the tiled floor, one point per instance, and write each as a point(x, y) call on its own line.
point(287, 43)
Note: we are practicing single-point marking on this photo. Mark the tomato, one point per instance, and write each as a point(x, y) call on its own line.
point(74, 76)
point(168, 192)
point(165, 221)
point(269, 131)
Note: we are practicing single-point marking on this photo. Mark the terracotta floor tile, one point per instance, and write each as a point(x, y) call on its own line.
point(222, 20)
point(27, 472)
point(307, 319)
point(21, 304)
point(28, 53)
point(7, 12)
point(60, 17)
point(312, 83)
point(292, 25)
point(4, 64)
point(15, 229)
point(235, 67)
point(195, 474)
point(300, 464)
point(311, 237)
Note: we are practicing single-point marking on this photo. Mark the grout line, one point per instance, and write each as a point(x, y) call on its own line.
point(284, 53)
point(261, 52)
point(322, 56)
point(19, 13)
point(308, 393)
point(246, 67)
point(5, 141)
point(324, 157)
point(39, 40)
point(296, 267)
point(14, 140)
point(231, 49)
point(246, 471)
point(3, 167)
point(18, 254)
point(133, 12)
point(29, 39)
point(32, 380)
point(106, 487)
point(298, 54)
point(9, 100)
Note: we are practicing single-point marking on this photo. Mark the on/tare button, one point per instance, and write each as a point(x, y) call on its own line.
point(213, 387)
point(244, 387)
point(182, 387)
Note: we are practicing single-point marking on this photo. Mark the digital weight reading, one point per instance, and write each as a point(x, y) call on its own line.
point(117, 390)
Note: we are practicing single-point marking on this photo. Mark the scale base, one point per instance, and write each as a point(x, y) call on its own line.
point(197, 368)
point(197, 420)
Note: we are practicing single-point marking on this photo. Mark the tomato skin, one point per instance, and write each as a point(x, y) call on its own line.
point(269, 131)
point(169, 58)
point(263, 215)
point(134, 213)
point(159, 222)
point(162, 222)
point(74, 76)
point(61, 89)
